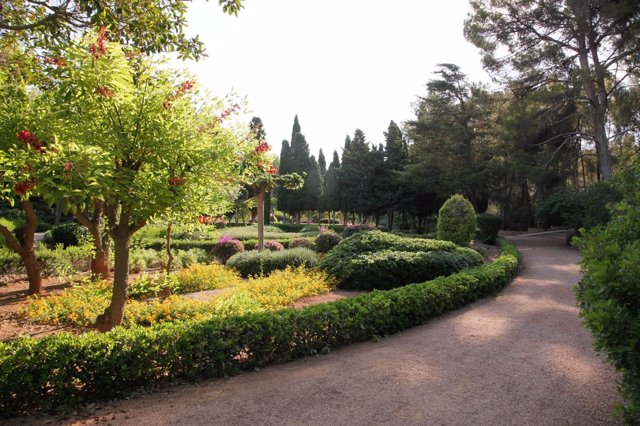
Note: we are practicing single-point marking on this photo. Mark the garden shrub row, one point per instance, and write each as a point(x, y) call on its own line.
point(53, 262)
point(379, 260)
point(249, 244)
point(251, 263)
point(65, 370)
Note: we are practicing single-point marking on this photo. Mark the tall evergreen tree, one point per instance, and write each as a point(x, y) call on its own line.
point(312, 186)
point(283, 194)
point(299, 163)
point(322, 164)
point(296, 128)
point(331, 193)
point(354, 174)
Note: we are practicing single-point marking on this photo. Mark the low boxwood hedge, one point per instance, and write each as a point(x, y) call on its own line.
point(251, 263)
point(65, 370)
point(378, 260)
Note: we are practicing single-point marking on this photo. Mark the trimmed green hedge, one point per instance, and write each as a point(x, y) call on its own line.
point(379, 260)
point(251, 263)
point(389, 269)
point(64, 370)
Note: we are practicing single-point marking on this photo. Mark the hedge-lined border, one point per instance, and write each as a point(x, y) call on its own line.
point(159, 243)
point(65, 370)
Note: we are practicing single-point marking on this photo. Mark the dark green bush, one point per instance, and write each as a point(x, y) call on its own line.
point(252, 263)
point(457, 221)
point(270, 245)
point(326, 241)
point(349, 230)
point(488, 227)
point(608, 294)
point(291, 227)
point(578, 208)
point(380, 260)
point(64, 370)
point(67, 234)
point(389, 269)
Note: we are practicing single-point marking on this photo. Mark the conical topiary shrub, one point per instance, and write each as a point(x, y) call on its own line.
point(457, 221)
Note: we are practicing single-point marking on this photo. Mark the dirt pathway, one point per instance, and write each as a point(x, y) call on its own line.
point(519, 358)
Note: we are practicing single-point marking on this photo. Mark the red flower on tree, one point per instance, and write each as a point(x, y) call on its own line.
point(98, 49)
point(21, 188)
point(272, 170)
point(29, 139)
point(103, 91)
point(263, 147)
point(176, 180)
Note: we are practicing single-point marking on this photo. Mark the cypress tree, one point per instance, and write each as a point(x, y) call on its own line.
point(285, 167)
point(354, 174)
point(322, 164)
point(331, 193)
point(312, 186)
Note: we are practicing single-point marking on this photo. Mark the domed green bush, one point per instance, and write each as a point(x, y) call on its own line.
point(326, 241)
point(488, 227)
point(251, 263)
point(457, 221)
point(378, 260)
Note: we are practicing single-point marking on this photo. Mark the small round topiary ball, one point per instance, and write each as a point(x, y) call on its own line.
point(457, 221)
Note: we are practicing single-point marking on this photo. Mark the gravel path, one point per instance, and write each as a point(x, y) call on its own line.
point(519, 358)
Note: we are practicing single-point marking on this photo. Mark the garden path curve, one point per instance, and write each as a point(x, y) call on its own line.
point(519, 358)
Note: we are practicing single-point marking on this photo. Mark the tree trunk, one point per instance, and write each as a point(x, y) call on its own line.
point(100, 260)
point(114, 314)
point(260, 207)
point(169, 253)
point(25, 248)
point(594, 87)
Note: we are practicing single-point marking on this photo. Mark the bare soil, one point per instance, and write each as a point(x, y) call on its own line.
point(521, 358)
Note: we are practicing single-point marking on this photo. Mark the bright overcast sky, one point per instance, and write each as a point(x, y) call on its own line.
point(338, 64)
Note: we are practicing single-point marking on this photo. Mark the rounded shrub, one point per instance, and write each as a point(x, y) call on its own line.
point(251, 263)
point(488, 227)
point(349, 230)
point(226, 247)
point(326, 241)
point(379, 260)
point(457, 221)
point(302, 242)
point(271, 245)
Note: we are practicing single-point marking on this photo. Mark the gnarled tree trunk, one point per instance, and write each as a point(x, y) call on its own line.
point(25, 248)
point(100, 260)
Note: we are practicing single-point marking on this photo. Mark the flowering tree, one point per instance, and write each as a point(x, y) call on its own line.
point(152, 141)
point(28, 150)
point(261, 175)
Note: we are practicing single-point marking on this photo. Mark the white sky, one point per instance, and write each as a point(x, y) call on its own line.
point(338, 64)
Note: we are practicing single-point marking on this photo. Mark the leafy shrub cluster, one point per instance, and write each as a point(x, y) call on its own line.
point(252, 263)
point(351, 229)
point(326, 241)
point(64, 370)
point(270, 245)
point(67, 234)
point(378, 260)
point(457, 221)
point(608, 294)
point(488, 227)
point(302, 242)
point(199, 277)
point(226, 247)
point(578, 208)
point(53, 262)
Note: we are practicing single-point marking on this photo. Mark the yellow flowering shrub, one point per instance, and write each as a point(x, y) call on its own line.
point(281, 288)
point(199, 277)
point(82, 303)
point(78, 305)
